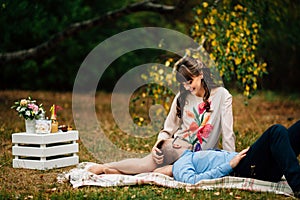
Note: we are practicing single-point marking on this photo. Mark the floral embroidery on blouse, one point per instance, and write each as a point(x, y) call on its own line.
point(199, 129)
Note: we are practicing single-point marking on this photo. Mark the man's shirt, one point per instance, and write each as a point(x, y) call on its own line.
point(192, 167)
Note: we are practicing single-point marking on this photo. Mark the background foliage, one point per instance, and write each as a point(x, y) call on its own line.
point(230, 32)
point(25, 24)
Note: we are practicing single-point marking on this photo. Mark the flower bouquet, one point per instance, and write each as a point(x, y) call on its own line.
point(30, 111)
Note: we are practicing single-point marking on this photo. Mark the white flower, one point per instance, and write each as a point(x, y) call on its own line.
point(27, 113)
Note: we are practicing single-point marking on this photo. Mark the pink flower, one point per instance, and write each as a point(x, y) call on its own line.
point(193, 127)
point(204, 132)
point(202, 107)
point(34, 107)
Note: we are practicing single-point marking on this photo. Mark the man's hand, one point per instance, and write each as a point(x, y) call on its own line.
point(157, 154)
point(236, 159)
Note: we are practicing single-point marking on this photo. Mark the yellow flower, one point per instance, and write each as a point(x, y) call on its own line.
point(238, 7)
point(196, 27)
point(254, 25)
point(233, 24)
point(246, 93)
point(247, 31)
point(23, 102)
point(166, 105)
point(227, 33)
point(205, 21)
point(212, 36)
point(212, 20)
point(227, 51)
point(204, 4)
point(247, 88)
point(160, 71)
point(214, 43)
point(255, 41)
point(167, 63)
point(214, 11)
point(199, 11)
point(237, 61)
point(254, 86)
point(144, 77)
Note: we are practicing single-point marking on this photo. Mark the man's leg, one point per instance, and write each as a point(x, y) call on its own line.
point(294, 137)
point(270, 157)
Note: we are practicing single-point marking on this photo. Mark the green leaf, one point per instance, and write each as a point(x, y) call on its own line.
point(196, 116)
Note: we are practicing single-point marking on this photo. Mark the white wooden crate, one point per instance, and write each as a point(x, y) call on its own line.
point(45, 151)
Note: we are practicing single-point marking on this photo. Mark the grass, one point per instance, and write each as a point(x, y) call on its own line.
point(250, 121)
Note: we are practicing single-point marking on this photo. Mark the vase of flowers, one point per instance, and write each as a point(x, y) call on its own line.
point(30, 125)
point(30, 111)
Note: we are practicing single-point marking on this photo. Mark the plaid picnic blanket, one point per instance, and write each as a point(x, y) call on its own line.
point(79, 176)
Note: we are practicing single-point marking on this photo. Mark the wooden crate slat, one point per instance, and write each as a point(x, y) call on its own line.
point(56, 163)
point(45, 152)
point(33, 138)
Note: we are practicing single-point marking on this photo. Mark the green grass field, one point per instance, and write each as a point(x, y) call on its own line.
point(250, 121)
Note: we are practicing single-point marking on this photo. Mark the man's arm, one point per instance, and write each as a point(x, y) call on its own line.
point(236, 159)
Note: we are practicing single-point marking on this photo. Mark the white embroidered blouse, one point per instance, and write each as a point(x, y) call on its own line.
point(221, 119)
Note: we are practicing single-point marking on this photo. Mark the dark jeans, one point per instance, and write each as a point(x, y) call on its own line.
point(274, 154)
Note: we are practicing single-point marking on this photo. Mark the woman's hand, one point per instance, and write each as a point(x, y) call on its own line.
point(236, 159)
point(157, 154)
point(167, 170)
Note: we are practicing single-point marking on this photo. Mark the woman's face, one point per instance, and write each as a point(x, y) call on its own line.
point(194, 86)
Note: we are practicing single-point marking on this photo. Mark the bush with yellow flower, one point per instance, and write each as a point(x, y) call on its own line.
point(230, 33)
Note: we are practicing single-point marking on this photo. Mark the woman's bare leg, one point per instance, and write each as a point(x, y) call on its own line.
point(98, 168)
point(112, 171)
point(134, 165)
point(103, 169)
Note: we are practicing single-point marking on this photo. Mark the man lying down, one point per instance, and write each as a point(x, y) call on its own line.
point(269, 158)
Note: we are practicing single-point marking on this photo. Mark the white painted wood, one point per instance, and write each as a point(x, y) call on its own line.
point(33, 138)
point(44, 165)
point(45, 151)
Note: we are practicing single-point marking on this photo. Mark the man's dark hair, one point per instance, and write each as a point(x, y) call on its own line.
point(170, 154)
